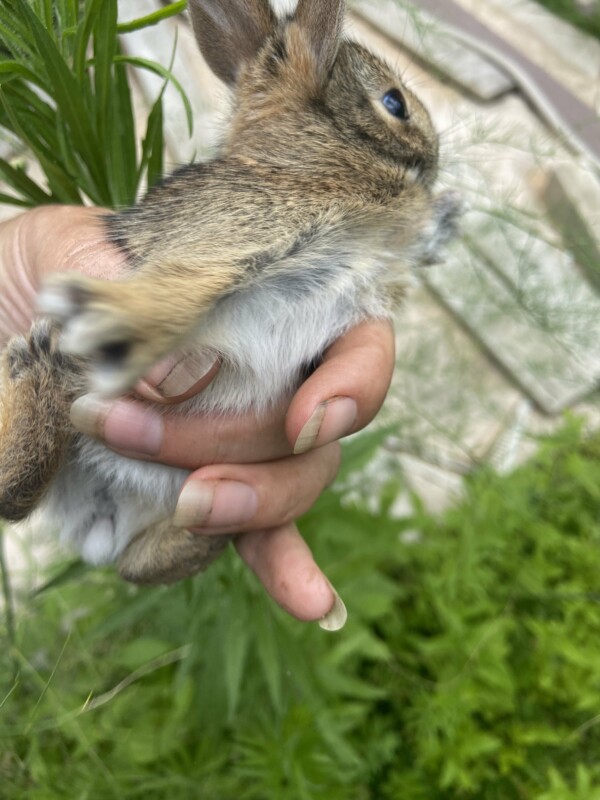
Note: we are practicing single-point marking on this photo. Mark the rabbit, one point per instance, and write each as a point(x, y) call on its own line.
point(309, 220)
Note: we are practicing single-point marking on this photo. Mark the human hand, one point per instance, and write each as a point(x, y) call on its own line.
point(246, 478)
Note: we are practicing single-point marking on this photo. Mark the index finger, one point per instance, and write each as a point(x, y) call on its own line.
point(178, 378)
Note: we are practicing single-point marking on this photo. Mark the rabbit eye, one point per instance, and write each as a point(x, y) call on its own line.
point(395, 104)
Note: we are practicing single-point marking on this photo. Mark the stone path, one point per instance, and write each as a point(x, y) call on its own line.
point(506, 335)
point(576, 120)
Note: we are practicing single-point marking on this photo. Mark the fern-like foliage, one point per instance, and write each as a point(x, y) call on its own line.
point(469, 667)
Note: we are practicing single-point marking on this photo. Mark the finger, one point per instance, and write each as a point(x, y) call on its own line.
point(235, 498)
point(136, 430)
point(285, 566)
point(342, 396)
point(179, 377)
point(346, 391)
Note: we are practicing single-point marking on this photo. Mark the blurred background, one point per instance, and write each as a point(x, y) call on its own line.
point(464, 530)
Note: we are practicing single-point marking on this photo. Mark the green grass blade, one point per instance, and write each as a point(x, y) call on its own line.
point(21, 94)
point(67, 155)
point(84, 135)
point(61, 184)
point(156, 160)
point(137, 608)
point(83, 36)
point(14, 35)
point(268, 654)
point(27, 116)
point(18, 180)
point(9, 70)
point(105, 48)
point(67, 13)
point(74, 570)
point(236, 644)
point(123, 150)
point(49, 16)
point(153, 145)
point(157, 69)
point(44, 144)
point(67, 94)
point(154, 18)
point(15, 201)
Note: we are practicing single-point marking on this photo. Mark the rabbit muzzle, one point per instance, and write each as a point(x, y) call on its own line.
point(447, 209)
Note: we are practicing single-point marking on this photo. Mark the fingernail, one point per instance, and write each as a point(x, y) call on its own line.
point(175, 377)
point(337, 617)
point(329, 422)
point(216, 504)
point(121, 425)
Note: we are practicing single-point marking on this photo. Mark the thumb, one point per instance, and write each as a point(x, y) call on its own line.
point(179, 377)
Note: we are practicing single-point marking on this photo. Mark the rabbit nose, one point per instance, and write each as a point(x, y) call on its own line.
point(448, 207)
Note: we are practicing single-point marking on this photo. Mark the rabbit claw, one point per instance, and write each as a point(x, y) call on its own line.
point(24, 353)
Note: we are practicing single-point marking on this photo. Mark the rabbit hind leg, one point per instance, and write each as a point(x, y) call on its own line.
point(164, 554)
point(124, 327)
point(34, 418)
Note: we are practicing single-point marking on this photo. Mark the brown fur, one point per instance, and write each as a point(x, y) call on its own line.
point(195, 236)
point(38, 387)
point(164, 554)
point(310, 155)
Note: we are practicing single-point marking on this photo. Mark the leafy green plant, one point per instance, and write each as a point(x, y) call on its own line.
point(497, 646)
point(65, 94)
point(469, 667)
point(138, 691)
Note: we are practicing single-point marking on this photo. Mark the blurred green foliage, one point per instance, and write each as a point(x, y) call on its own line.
point(576, 13)
point(470, 665)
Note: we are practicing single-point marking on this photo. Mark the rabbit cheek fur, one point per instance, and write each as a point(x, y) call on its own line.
point(307, 222)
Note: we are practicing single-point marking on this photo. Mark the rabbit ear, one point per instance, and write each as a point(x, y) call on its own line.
point(322, 21)
point(231, 32)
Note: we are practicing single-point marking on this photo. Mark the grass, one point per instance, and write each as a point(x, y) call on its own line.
point(65, 94)
point(469, 667)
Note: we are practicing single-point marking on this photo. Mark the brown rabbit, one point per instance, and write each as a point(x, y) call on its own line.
point(309, 220)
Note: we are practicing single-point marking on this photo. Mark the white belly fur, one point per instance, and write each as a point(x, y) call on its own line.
point(265, 337)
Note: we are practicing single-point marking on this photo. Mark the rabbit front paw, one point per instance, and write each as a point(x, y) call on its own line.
point(27, 354)
point(98, 323)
